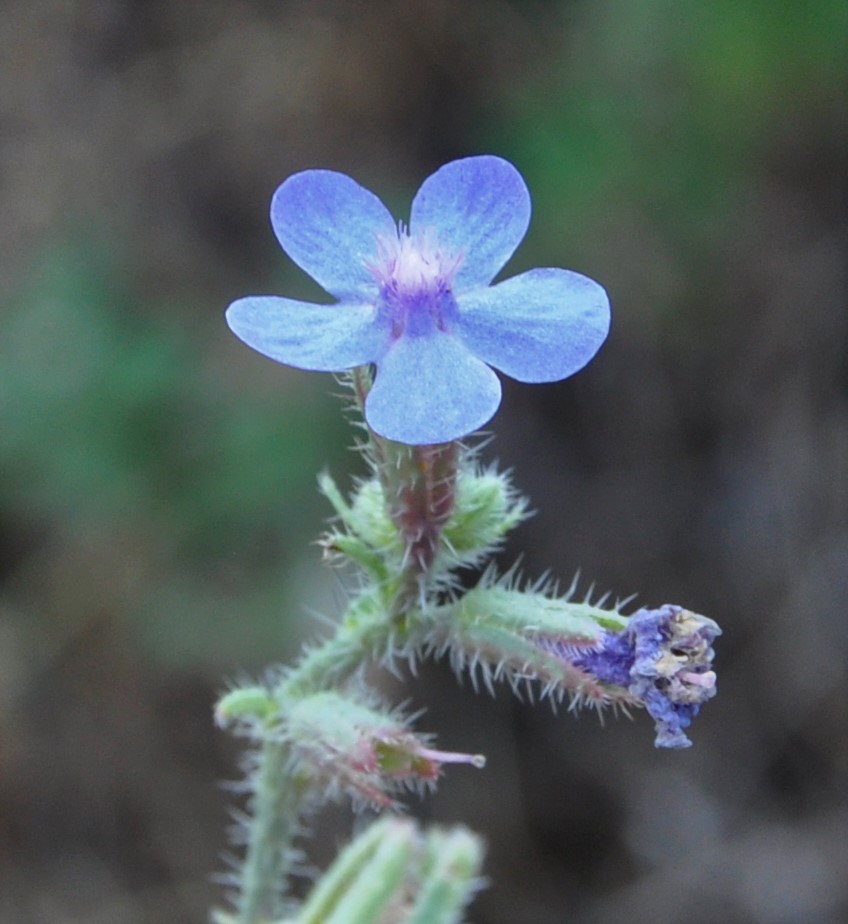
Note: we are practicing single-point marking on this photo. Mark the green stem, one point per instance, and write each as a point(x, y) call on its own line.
point(277, 796)
point(419, 486)
point(419, 483)
point(273, 826)
point(363, 629)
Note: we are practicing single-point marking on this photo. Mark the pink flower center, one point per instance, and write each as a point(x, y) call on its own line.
point(415, 276)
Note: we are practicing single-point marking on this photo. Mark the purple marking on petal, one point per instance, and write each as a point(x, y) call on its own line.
point(322, 338)
point(479, 209)
point(329, 224)
point(541, 326)
point(430, 389)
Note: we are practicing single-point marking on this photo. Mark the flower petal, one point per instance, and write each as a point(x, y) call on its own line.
point(323, 338)
point(540, 326)
point(430, 390)
point(328, 224)
point(478, 207)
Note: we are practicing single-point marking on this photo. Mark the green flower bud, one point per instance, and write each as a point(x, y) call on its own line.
point(362, 749)
point(394, 872)
point(244, 703)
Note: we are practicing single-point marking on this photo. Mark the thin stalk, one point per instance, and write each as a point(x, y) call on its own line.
point(278, 797)
point(272, 828)
point(419, 487)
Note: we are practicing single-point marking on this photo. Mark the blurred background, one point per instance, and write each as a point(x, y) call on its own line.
point(157, 478)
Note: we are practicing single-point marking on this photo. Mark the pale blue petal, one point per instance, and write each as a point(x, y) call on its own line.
point(329, 224)
point(479, 207)
point(431, 390)
point(540, 326)
point(323, 338)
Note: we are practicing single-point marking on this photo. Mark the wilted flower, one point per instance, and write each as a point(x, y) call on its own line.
point(663, 658)
point(418, 302)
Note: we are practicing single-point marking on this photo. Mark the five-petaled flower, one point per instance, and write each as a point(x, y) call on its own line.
point(418, 303)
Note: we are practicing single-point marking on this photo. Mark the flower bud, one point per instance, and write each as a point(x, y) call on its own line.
point(362, 749)
point(244, 704)
point(422, 517)
point(394, 871)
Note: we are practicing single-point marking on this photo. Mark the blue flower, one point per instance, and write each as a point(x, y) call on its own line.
point(418, 302)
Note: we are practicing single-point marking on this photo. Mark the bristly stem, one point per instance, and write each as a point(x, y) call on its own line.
point(419, 485)
point(419, 490)
point(272, 829)
point(422, 498)
point(278, 798)
point(426, 480)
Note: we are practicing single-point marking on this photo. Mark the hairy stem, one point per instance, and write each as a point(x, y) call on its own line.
point(277, 799)
point(419, 486)
point(272, 829)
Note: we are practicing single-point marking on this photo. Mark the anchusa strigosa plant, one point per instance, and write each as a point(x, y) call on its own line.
point(416, 330)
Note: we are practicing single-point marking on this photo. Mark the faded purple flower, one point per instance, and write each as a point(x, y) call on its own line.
point(664, 659)
point(418, 303)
